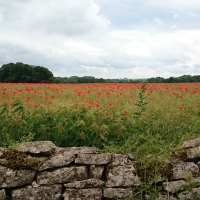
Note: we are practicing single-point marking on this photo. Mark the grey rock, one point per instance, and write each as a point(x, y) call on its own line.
point(3, 195)
point(61, 158)
point(174, 186)
point(15, 178)
point(193, 153)
point(191, 143)
point(163, 195)
point(83, 149)
point(120, 159)
point(89, 183)
point(117, 192)
point(122, 176)
point(93, 159)
point(83, 194)
point(96, 171)
point(62, 175)
point(1, 150)
point(40, 148)
point(193, 195)
point(53, 192)
point(183, 169)
point(130, 156)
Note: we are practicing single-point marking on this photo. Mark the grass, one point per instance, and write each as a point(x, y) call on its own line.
point(148, 121)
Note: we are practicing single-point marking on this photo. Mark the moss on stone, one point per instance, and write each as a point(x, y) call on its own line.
point(15, 159)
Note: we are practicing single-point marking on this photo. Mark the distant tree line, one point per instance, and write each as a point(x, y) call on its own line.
point(76, 79)
point(20, 72)
point(180, 79)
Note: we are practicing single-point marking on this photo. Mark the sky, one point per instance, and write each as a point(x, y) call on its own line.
point(103, 38)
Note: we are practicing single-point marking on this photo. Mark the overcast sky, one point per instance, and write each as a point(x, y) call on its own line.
point(103, 38)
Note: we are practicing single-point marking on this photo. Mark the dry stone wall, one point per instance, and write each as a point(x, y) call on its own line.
point(40, 170)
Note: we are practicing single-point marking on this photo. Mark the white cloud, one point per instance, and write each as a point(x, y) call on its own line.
point(159, 21)
point(80, 46)
point(83, 38)
point(175, 16)
point(193, 14)
point(174, 27)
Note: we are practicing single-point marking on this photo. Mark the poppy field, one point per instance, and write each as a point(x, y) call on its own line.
point(112, 117)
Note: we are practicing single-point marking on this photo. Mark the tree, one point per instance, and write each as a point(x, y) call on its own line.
point(42, 74)
point(20, 72)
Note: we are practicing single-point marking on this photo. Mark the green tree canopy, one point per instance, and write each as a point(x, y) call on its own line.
point(20, 72)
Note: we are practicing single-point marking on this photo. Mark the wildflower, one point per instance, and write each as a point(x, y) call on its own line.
point(26, 99)
point(126, 113)
point(97, 105)
point(110, 104)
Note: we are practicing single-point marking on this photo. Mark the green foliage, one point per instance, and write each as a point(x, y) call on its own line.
point(149, 136)
point(20, 72)
point(180, 79)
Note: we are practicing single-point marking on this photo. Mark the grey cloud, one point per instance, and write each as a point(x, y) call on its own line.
point(50, 34)
point(65, 17)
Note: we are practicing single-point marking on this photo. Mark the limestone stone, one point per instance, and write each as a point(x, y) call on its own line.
point(89, 183)
point(193, 195)
point(183, 169)
point(96, 171)
point(40, 148)
point(117, 192)
point(122, 176)
point(62, 175)
point(193, 154)
point(3, 195)
point(1, 150)
point(174, 186)
point(83, 194)
point(61, 158)
point(83, 149)
point(52, 192)
point(163, 195)
point(191, 143)
point(130, 156)
point(120, 159)
point(15, 178)
point(93, 159)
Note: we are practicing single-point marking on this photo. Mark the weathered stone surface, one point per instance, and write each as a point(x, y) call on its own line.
point(3, 195)
point(15, 178)
point(96, 171)
point(1, 150)
point(83, 194)
point(120, 159)
point(61, 158)
point(93, 159)
point(40, 148)
point(191, 143)
point(62, 175)
point(77, 150)
point(53, 192)
point(89, 183)
point(117, 192)
point(182, 169)
point(163, 195)
point(193, 195)
point(130, 156)
point(122, 176)
point(193, 154)
point(174, 186)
